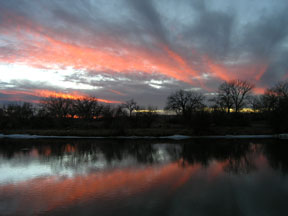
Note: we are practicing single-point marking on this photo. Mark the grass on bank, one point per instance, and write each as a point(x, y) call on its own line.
point(253, 129)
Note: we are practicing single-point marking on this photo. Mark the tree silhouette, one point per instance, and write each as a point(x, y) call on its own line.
point(87, 108)
point(183, 102)
point(275, 100)
point(224, 99)
point(234, 93)
point(57, 107)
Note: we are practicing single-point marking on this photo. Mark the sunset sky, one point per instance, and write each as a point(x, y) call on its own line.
point(142, 49)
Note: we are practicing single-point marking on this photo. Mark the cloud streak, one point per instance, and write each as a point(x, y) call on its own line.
point(39, 94)
point(196, 45)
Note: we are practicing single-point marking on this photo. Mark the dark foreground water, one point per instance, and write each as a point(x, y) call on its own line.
point(134, 177)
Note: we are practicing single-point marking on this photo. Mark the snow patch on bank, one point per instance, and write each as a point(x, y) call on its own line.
point(173, 137)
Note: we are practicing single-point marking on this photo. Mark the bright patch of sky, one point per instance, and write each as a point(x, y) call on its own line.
point(51, 77)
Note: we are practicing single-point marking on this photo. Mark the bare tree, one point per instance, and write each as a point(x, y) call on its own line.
point(183, 101)
point(20, 112)
point(273, 96)
point(224, 99)
point(87, 108)
point(234, 94)
point(177, 101)
point(276, 103)
point(240, 93)
point(269, 100)
point(130, 105)
point(280, 89)
point(57, 107)
point(2, 112)
point(195, 101)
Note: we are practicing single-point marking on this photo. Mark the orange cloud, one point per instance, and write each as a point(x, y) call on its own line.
point(129, 60)
point(253, 71)
point(259, 90)
point(218, 70)
point(261, 70)
point(186, 69)
point(47, 93)
point(47, 51)
point(117, 92)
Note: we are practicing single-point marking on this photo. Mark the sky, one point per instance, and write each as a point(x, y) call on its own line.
point(142, 49)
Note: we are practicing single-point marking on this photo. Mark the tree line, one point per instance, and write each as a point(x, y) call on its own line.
point(84, 113)
point(192, 109)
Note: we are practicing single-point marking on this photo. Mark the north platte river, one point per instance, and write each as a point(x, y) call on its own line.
point(143, 177)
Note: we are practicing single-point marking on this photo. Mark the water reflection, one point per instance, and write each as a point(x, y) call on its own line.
point(118, 176)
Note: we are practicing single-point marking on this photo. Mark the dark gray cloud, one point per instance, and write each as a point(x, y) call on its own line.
point(267, 36)
point(212, 32)
point(150, 18)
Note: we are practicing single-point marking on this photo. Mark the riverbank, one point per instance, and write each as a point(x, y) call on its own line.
point(256, 129)
point(101, 133)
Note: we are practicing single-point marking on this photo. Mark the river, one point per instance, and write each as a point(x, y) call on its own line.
point(143, 177)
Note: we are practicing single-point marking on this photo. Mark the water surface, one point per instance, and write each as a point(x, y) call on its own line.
point(143, 177)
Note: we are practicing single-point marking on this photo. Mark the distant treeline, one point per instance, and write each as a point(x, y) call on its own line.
point(193, 110)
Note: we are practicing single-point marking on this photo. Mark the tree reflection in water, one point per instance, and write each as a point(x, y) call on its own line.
point(215, 175)
point(276, 154)
point(237, 156)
